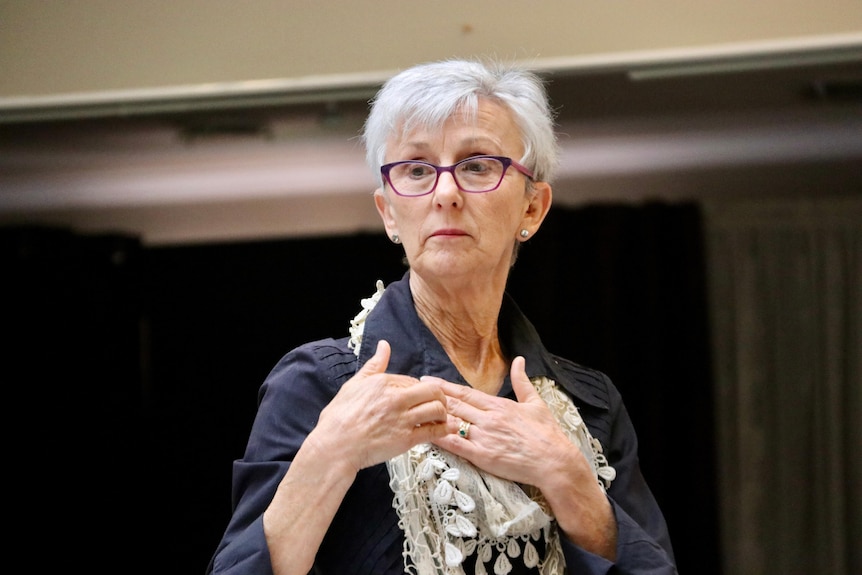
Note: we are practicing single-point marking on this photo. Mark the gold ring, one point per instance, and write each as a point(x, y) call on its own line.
point(464, 429)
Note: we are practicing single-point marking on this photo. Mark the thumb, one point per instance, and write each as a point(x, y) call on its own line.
point(521, 384)
point(379, 361)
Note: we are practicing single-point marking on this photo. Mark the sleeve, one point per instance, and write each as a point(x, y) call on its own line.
point(643, 542)
point(289, 404)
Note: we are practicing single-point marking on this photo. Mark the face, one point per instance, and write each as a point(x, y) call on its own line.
point(449, 232)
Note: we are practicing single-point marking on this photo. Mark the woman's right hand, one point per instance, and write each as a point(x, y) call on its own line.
point(374, 417)
point(378, 415)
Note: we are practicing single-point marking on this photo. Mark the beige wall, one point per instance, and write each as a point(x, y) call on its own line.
point(64, 59)
point(50, 47)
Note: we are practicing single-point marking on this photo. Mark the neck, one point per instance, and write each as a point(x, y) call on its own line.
point(465, 324)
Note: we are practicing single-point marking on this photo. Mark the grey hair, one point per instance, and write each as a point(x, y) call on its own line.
point(428, 94)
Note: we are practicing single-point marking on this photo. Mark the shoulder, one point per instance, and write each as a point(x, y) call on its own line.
point(594, 393)
point(591, 386)
point(316, 367)
point(294, 393)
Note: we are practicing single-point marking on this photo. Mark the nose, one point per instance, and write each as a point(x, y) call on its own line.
point(447, 192)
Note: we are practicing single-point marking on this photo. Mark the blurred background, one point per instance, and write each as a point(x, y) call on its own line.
point(183, 198)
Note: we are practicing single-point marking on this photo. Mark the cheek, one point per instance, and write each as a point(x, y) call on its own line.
point(497, 226)
point(407, 216)
point(504, 217)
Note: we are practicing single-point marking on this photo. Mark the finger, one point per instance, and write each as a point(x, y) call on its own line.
point(432, 432)
point(427, 413)
point(521, 384)
point(379, 361)
point(462, 401)
point(463, 393)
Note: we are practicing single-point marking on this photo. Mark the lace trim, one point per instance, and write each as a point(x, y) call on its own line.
point(357, 324)
point(449, 509)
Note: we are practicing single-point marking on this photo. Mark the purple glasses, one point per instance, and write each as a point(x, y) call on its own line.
point(475, 175)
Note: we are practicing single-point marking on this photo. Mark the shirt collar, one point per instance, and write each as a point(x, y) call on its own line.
point(416, 352)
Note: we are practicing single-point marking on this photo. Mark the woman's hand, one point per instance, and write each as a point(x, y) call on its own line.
point(518, 441)
point(521, 441)
point(374, 417)
point(378, 415)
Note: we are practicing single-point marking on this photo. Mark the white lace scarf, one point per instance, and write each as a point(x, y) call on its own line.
point(449, 509)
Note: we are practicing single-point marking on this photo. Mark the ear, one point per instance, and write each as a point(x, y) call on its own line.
point(384, 208)
point(537, 208)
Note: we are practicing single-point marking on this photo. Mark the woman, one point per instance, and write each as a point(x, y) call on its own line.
point(440, 436)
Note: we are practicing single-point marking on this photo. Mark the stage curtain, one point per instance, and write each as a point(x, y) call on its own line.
point(621, 288)
point(786, 308)
point(71, 374)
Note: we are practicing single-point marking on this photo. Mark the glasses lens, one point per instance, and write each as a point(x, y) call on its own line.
point(412, 178)
point(479, 174)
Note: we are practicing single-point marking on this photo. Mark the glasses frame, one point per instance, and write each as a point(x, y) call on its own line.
point(505, 160)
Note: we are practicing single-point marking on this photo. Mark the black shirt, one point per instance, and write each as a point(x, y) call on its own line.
point(364, 537)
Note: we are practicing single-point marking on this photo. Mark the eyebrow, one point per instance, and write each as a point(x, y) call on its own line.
point(465, 143)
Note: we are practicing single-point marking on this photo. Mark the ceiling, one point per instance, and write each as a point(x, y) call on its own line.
point(227, 172)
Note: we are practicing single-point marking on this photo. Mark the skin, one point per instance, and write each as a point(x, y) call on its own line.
point(459, 247)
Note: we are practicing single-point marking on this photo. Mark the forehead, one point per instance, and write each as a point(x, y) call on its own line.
point(490, 121)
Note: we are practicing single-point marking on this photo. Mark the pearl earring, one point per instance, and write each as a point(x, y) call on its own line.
point(525, 233)
point(396, 239)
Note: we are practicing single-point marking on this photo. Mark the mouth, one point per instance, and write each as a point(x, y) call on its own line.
point(448, 232)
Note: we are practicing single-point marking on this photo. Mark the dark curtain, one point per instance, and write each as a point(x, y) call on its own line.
point(219, 318)
point(144, 363)
point(71, 375)
point(621, 288)
point(786, 301)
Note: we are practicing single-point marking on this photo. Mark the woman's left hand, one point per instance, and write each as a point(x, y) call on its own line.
point(521, 441)
point(515, 440)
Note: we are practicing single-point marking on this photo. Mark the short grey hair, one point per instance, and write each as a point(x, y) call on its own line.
point(428, 94)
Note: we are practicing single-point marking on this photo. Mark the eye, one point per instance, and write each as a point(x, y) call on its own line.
point(475, 166)
point(412, 171)
point(417, 171)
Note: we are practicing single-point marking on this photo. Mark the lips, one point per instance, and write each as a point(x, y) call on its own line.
point(449, 232)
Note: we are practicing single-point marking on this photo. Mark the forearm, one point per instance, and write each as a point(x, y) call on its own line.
point(581, 508)
point(594, 530)
point(302, 509)
point(589, 523)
